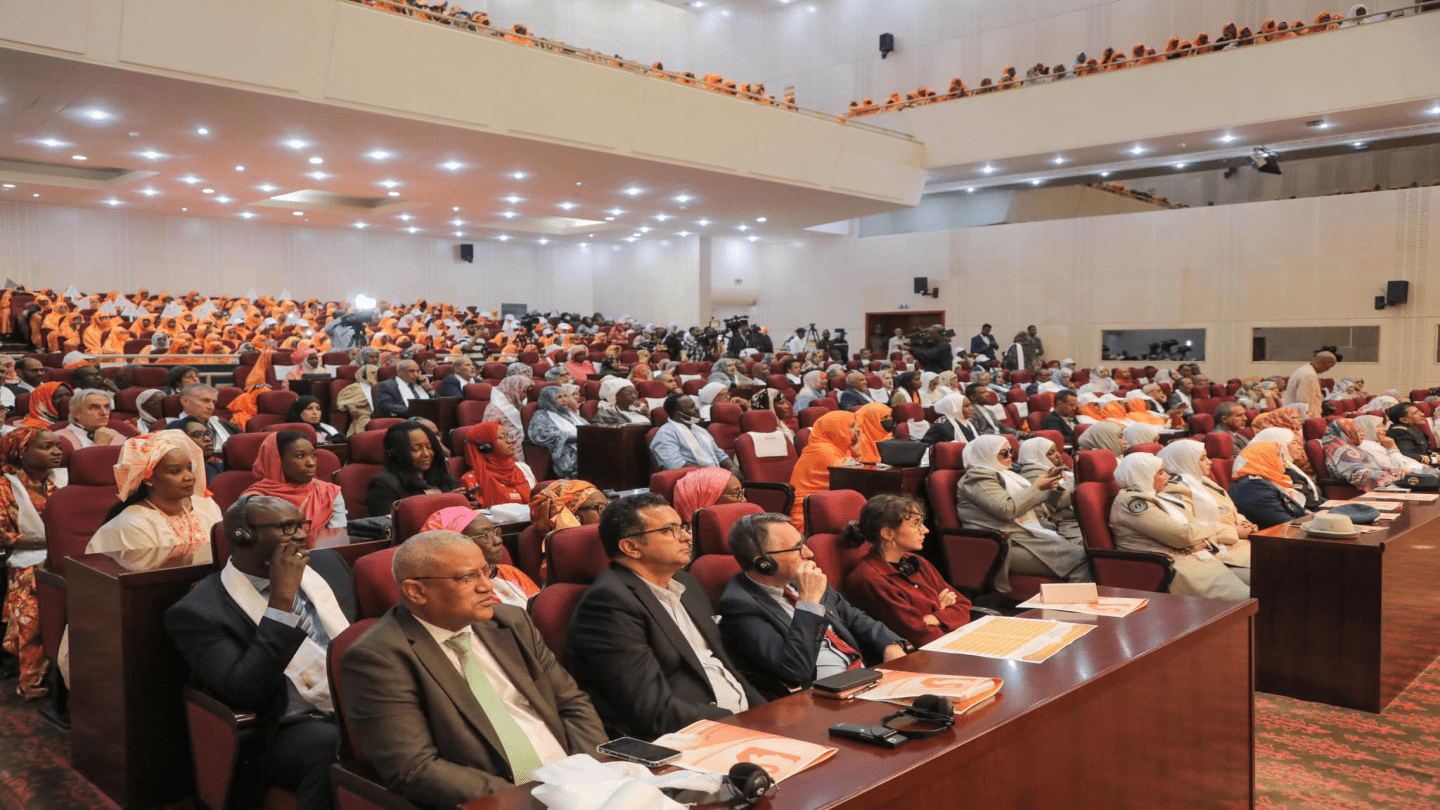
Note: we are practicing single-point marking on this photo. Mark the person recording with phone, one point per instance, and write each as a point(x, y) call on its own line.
point(256, 632)
point(393, 396)
point(780, 619)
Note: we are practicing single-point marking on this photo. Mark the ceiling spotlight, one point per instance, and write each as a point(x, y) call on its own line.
point(7, 185)
point(615, 212)
point(317, 175)
point(222, 199)
point(1104, 174)
point(522, 176)
point(697, 4)
point(1434, 110)
point(1228, 138)
point(207, 191)
point(509, 214)
point(1137, 149)
point(267, 188)
point(202, 131)
point(1318, 123)
point(405, 217)
point(393, 193)
point(239, 168)
point(362, 226)
point(761, 219)
point(148, 192)
point(1059, 160)
point(970, 190)
point(413, 230)
point(378, 154)
point(297, 213)
point(702, 223)
point(633, 192)
point(512, 199)
point(451, 165)
point(683, 233)
point(459, 233)
point(609, 219)
point(296, 144)
point(457, 222)
point(567, 205)
point(1360, 145)
point(988, 169)
point(1265, 161)
point(52, 143)
point(112, 202)
point(630, 239)
point(78, 157)
point(662, 217)
point(190, 179)
point(1037, 181)
point(151, 154)
point(503, 237)
point(389, 183)
point(96, 115)
point(316, 161)
point(683, 198)
point(743, 227)
point(247, 214)
point(643, 229)
point(455, 208)
point(753, 238)
point(543, 241)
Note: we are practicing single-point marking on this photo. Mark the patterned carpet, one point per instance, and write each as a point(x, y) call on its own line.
point(1308, 756)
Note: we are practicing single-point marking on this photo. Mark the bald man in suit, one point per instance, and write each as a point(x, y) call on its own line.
point(410, 694)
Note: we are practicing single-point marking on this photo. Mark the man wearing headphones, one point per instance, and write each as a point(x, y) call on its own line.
point(256, 634)
point(782, 622)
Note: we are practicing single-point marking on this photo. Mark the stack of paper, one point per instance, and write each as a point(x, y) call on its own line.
point(963, 692)
point(709, 745)
point(1030, 640)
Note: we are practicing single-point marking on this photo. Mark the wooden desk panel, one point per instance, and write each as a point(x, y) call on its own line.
point(614, 458)
point(1154, 710)
point(440, 410)
point(870, 482)
point(1347, 622)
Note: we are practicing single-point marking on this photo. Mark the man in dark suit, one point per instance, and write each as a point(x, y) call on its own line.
point(984, 344)
point(392, 396)
point(1180, 398)
point(1062, 416)
point(455, 695)
point(782, 622)
point(255, 633)
point(1412, 442)
point(642, 641)
point(1230, 418)
point(198, 401)
point(856, 393)
point(462, 374)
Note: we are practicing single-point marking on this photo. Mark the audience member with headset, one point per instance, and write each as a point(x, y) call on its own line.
point(414, 465)
point(893, 583)
point(457, 696)
point(256, 632)
point(782, 622)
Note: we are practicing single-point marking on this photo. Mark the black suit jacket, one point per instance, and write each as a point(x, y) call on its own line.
point(945, 430)
point(454, 386)
point(388, 401)
point(1052, 421)
point(629, 656)
point(241, 662)
point(850, 399)
point(1411, 441)
point(776, 652)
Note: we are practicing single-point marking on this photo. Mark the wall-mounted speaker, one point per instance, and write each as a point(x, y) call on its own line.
point(922, 285)
point(467, 253)
point(1397, 292)
point(887, 45)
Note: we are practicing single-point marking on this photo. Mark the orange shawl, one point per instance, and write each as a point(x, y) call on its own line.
point(871, 431)
point(829, 445)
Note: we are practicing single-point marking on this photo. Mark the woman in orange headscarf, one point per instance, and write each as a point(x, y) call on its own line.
point(245, 406)
point(287, 471)
point(93, 338)
point(495, 477)
point(387, 336)
point(869, 419)
point(46, 402)
point(834, 440)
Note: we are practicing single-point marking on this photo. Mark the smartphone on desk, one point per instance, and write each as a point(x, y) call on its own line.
point(648, 754)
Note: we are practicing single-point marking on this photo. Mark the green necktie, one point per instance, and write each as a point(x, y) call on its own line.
point(518, 749)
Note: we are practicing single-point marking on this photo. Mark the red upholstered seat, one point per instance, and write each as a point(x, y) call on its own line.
point(692, 387)
point(349, 745)
point(802, 438)
point(528, 553)
point(276, 402)
point(767, 480)
point(1202, 423)
point(908, 411)
point(124, 401)
point(1138, 570)
point(412, 512)
point(713, 523)
point(714, 572)
point(780, 382)
point(812, 413)
point(948, 456)
point(241, 450)
point(551, 610)
point(299, 427)
point(1040, 403)
point(833, 558)
point(1219, 445)
point(470, 412)
point(1144, 447)
point(367, 447)
point(575, 555)
point(725, 425)
point(651, 389)
point(148, 377)
point(588, 409)
point(827, 403)
point(663, 483)
point(375, 588)
point(494, 371)
point(1080, 431)
point(1095, 465)
point(227, 487)
point(476, 392)
point(382, 424)
point(1314, 429)
point(829, 512)
point(216, 735)
point(171, 407)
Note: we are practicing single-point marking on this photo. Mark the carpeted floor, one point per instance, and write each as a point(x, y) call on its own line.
point(1307, 756)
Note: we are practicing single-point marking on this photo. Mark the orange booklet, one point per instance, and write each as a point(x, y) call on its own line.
point(1116, 606)
point(712, 746)
point(1010, 638)
point(965, 693)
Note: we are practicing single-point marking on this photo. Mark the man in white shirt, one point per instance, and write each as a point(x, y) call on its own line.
point(455, 695)
point(1304, 385)
point(89, 420)
point(681, 442)
point(796, 344)
point(393, 396)
point(897, 343)
point(199, 401)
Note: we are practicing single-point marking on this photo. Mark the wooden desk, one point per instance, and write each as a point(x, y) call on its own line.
point(320, 389)
point(440, 410)
point(870, 482)
point(1347, 622)
point(128, 731)
point(614, 458)
point(1103, 723)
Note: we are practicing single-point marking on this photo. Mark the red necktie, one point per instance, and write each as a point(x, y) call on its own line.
point(831, 636)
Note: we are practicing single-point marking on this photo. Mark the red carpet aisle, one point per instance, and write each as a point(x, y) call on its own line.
point(1308, 757)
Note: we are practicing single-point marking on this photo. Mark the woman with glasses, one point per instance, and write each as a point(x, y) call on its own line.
point(705, 487)
point(286, 467)
point(893, 583)
point(993, 497)
point(512, 587)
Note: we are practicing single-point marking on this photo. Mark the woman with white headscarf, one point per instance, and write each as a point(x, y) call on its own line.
point(1038, 456)
point(146, 418)
point(1192, 481)
point(930, 391)
point(1381, 448)
point(993, 497)
point(814, 389)
point(1101, 379)
point(952, 423)
point(620, 404)
point(1102, 436)
point(1140, 434)
point(1144, 519)
point(706, 397)
point(555, 426)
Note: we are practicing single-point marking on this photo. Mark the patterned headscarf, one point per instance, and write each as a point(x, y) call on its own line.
point(43, 411)
point(699, 489)
point(14, 445)
point(451, 519)
point(554, 507)
point(139, 456)
point(513, 388)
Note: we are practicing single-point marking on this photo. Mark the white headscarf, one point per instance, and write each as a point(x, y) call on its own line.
point(1379, 404)
point(146, 423)
point(984, 453)
point(1182, 460)
point(611, 386)
point(1137, 472)
point(1036, 450)
point(1140, 433)
point(706, 397)
point(951, 406)
point(928, 398)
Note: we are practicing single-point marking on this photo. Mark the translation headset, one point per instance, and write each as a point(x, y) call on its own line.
point(762, 563)
point(933, 709)
point(484, 447)
point(751, 782)
point(241, 536)
point(907, 566)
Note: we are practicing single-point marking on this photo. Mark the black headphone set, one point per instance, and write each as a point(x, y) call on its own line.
point(241, 536)
point(751, 782)
point(762, 563)
point(908, 566)
point(932, 709)
point(484, 447)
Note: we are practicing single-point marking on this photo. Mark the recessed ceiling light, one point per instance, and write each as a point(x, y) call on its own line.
point(643, 229)
point(389, 183)
point(247, 214)
point(455, 208)
point(207, 191)
point(51, 142)
point(297, 213)
point(761, 219)
point(151, 154)
point(239, 168)
point(753, 238)
point(296, 143)
point(1037, 181)
point(459, 233)
point(1181, 165)
point(1359, 145)
point(615, 212)
point(702, 223)
point(202, 131)
point(743, 227)
point(37, 195)
point(1434, 110)
point(318, 175)
point(149, 192)
point(1228, 138)
point(413, 230)
point(317, 160)
point(970, 190)
point(378, 154)
point(579, 184)
point(1104, 174)
point(683, 198)
point(513, 200)
point(222, 199)
point(629, 239)
point(78, 157)
point(543, 241)
point(697, 4)
point(609, 219)
point(7, 185)
point(451, 165)
point(96, 115)
point(405, 217)
point(509, 214)
point(503, 237)
point(633, 191)
point(457, 222)
point(636, 235)
point(1059, 160)
point(662, 217)
point(362, 226)
point(1137, 149)
point(683, 233)
point(567, 205)
point(522, 176)
point(393, 193)
point(267, 188)
point(190, 179)
point(988, 169)
point(112, 202)
point(1319, 123)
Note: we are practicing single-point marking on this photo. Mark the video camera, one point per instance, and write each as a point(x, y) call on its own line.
point(738, 321)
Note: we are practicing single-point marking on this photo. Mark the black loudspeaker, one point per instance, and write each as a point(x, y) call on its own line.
point(1397, 292)
point(467, 253)
point(1379, 302)
point(922, 285)
point(887, 45)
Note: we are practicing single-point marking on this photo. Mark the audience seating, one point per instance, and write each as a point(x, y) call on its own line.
point(273, 406)
point(225, 747)
point(367, 453)
point(767, 480)
point(1112, 567)
point(713, 523)
point(412, 512)
point(551, 610)
point(802, 438)
point(226, 488)
point(829, 512)
point(972, 557)
point(725, 425)
point(1059, 442)
point(1095, 465)
point(575, 556)
point(382, 424)
point(375, 588)
point(470, 412)
point(663, 483)
point(350, 747)
point(1314, 428)
point(714, 572)
point(241, 451)
point(1144, 447)
point(529, 553)
point(1202, 423)
point(1329, 487)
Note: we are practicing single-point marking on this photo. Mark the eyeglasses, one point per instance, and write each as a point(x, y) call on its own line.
point(286, 527)
point(676, 531)
point(471, 577)
point(1003, 454)
point(492, 533)
point(736, 494)
point(798, 547)
point(594, 507)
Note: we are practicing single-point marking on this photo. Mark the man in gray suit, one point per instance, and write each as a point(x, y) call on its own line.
point(453, 695)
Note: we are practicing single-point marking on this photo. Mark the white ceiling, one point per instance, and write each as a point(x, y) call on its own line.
point(148, 130)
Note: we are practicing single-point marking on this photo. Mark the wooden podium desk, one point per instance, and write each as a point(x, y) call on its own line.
point(1347, 622)
point(440, 410)
point(1153, 710)
point(613, 458)
point(869, 481)
point(128, 731)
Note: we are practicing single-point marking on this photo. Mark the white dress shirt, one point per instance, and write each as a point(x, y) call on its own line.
point(729, 694)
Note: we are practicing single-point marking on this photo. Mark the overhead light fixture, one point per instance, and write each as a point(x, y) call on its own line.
point(1059, 160)
point(1104, 174)
point(1434, 110)
point(451, 165)
point(761, 219)
point(567, 205)
point(52, 143)
point(513, 200)
point(543, 241)
point(455, 208)
point(296, 143)
point(239, 168)
point(1265, 161)
point(609, 219)
point(1228, 138)
point(1181, 165)
point(297, 213)
point(683, 233)
point(202, 131)
point(389, 183)
point(222, 199)
point(1037, 181)
point(151, 154)
point(683, 198)
point(522, 176)
point(988, 169)
point(317, 160)
point(970, 190)
point(743, 227)
point(630, 239)
point(1318, 123)
point(633, 191)
point(378, 154)
point(267, 188)
point(190, 179)
point(78, 157)
point(393, 193)
point(509, 214)
point(413, 230)
point(362, 226)
point(1360, 145)
point(457, 222)
point(112, 202)
point(318, 175)
point(1137, 149)
point(207, 191)
point(247, 214)
point(149, 192)
point(615, 212)
point(703, 222)
point(697, 4)
point(96, 115)
point(661, 217)
point(405, 217)
point(643, 229)
point(753, 238)
point(7, 185)
point(459, 233)
point(503, 237)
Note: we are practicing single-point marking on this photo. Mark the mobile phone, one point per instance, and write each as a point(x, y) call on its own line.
point(647, 754)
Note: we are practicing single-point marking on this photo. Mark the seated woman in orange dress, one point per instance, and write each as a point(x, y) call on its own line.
point(834, 440)
point(495, 477)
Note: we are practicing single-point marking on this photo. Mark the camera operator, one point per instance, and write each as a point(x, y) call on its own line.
point(931, 349)
point(348, 330)
point(738, 337)
point(840, 347)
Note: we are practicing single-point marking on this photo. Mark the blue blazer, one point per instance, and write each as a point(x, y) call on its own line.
point(1263, 503)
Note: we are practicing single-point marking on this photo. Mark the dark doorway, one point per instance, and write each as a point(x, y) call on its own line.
point(888, 322)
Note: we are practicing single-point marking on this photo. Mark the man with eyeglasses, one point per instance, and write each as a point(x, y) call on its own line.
point(256, 634)
point(642, 641)
point(455, 695)
point(782, 622)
